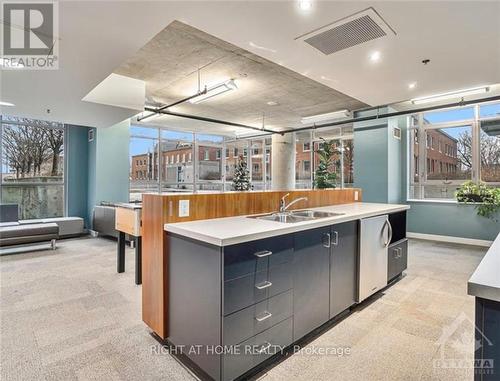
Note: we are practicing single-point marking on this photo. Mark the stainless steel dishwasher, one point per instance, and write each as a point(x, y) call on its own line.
point(375, 236)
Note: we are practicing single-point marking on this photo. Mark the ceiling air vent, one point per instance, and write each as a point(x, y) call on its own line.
point(349, 31)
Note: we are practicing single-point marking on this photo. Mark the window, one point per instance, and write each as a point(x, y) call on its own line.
point(257, 160)
point(206, 155)
point(32, 164)
point(218, 154)
point(235, 152)
point(489, 142)
point(306, 147)
point(307, 166)
point(467, 149)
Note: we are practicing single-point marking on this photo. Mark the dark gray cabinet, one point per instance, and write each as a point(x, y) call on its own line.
point(343, 267)
point(397, 259)
point(311, 280)
point(262, 294)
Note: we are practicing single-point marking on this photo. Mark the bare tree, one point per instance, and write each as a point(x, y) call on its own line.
point(55, 139)
point(489, 155)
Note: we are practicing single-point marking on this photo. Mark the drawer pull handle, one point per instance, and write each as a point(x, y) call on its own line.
point(264, 348)
point(261, 254)
point(263, 285)
point(264, 316)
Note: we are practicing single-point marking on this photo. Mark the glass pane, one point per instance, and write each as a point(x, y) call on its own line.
point(209, 163)
point(489, 110)
point(148, 132)
point(449, 115)
point(303, 165)
point(209, 139)
point(334, 177)
point(209, 187)
point(415, 170)
point(233, 150)
point(490, 157)
point(449, 153)
point(256, 161)
point(32, 154)
point(268, 165)
point(143, 166)
point(33, 167)
point(348, 157)
point(176, 161)
point(328, 133)
point(35, 201)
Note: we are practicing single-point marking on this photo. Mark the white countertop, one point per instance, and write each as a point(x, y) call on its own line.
point(485, 282)
point(233, 230)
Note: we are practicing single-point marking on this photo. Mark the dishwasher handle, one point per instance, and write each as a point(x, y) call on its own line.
point(389, 232)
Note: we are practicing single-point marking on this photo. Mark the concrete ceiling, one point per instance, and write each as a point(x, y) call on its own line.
point(169, 63)
point(462, 40)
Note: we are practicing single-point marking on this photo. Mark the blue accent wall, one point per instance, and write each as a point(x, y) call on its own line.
point(451, 219)
point(377, 160)
point(108, 166)
point(76, 171)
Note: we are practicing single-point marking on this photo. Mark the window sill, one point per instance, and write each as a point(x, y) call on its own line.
point(433, 201)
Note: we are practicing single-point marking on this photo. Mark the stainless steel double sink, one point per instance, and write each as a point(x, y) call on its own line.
point(296, 216)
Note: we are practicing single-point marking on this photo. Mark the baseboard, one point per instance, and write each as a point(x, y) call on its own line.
point(450, 239)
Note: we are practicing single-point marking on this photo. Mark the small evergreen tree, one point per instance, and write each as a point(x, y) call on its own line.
point(324, 176)
point(241, 179)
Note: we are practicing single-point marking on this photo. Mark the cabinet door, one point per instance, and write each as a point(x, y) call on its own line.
point(343, 267)
point(311, 280)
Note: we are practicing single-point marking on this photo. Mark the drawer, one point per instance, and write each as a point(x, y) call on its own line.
point(257, 349)
point(252, 320)
point(251, 257)
point(397, 259)
point(253, 288)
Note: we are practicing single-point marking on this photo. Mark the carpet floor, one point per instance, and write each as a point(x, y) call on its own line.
point(67, 315)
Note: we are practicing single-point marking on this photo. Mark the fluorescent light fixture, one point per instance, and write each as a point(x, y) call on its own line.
point(375, 56)
point(325, 117)
point(6, 104)
point(215, 90)
point(450, 95)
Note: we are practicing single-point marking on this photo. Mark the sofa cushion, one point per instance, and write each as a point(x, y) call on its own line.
point(68, 226)
point(31, 230)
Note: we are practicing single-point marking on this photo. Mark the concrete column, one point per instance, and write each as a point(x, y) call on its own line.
point(283, 161)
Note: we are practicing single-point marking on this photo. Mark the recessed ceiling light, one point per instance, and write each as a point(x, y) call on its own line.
point(375, 56)
point(272, 103)
point(305, 5)
point(6, 104)
point(412, 85)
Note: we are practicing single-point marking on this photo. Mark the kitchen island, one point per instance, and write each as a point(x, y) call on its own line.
point(484, 284)
point(242, 289)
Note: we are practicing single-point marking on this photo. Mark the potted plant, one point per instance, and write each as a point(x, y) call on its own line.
point(324, 176)
point(485, 199)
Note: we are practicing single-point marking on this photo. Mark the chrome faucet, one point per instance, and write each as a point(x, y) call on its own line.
point(284, 206)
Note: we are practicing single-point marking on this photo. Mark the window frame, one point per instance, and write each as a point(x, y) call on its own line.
point(412, 142)
point(32, 124)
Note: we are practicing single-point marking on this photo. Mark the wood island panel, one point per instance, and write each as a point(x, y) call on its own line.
point(159, 209)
